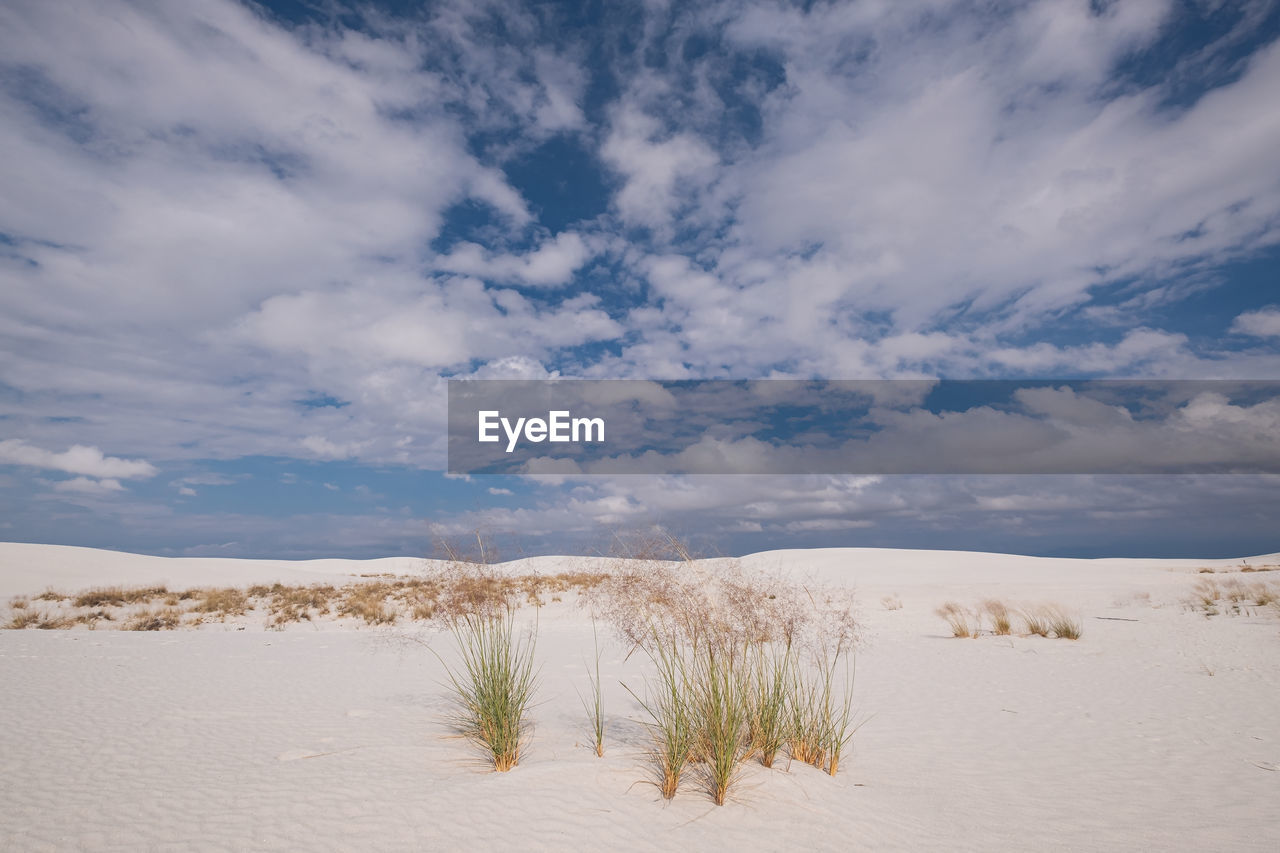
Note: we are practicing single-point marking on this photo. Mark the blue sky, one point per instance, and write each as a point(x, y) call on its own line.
point(242, 248)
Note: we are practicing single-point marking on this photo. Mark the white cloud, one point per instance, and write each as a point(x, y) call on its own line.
point(497, 491)
point(551, 264)
point(79, 459)
point(87, 486)
point(563, 81)
point(322, 447)
point(982, 175)
point(1263, 323)
point(659, 169)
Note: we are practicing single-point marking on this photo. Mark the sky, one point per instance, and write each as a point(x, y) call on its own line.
point(243, 248)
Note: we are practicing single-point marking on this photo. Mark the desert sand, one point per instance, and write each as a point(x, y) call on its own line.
point(1156, 730)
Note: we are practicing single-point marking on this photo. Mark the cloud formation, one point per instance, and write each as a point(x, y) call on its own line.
point(213, 213)
point(78, 459)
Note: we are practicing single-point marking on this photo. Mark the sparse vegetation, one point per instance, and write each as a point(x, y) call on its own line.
point(962, 621)
point(495, 685)
point(747, 664)
point(891, 602)
point(32, 618)
point(1233, 596)
point(721, 711)
point(368, 601)
point(222, 601)
point(1036, 621)
point(771, 678)
point(1040, 620)
point(998, 613)
point(1064, 625)
point(442, 594)
point(115, 596)
point(298, 603)
point(668, 701)
point(162, 619)
point(595, 710)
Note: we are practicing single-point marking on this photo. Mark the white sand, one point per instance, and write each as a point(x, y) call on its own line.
point(327, 738)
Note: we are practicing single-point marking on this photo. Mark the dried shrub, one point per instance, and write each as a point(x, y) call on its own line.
point(160, 619)
point(220, 601)
point(368, 601)
point(962, 621)
point(998, 613)
point(689, 600)
point(117, 596)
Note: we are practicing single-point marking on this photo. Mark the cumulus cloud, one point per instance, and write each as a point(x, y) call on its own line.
point(1263, 323)
point(659, 168)
point(551, 264)
point(78, 459)
point(87, 486)
point(212, 214)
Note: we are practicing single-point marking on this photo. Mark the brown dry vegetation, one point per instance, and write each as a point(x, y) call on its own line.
point(998, 612)
point(962, 621)
point(1233, 596)
point(442, 594)
point(115, 596)
point(158, 619)
point(1042, 620)
point(31, 618)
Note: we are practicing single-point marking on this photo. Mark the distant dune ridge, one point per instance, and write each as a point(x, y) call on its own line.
point(1155, 729)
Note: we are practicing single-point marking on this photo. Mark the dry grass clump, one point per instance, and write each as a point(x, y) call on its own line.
point(1036, 621)
point(962, 621)
point(117, 596)
point(297, 603)
point(221, 601)
point(41, 620)
point(92, 618)
point(891, 602)
point(368, 601)
point(686, 600)
point(442, 595)
point(158, 619)
point(23, 618)
point(1051, 620)
point(461, 588)
point(998, 613)
point(1064, 625)
point(1041, 620)
point(1233, 596)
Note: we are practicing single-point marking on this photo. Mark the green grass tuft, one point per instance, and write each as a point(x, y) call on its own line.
point(495, 685)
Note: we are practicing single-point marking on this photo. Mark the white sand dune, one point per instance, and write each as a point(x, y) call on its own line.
point(1158, 730)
